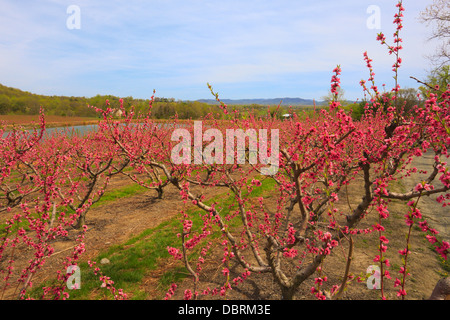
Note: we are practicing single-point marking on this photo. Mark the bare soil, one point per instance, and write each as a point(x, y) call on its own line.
point(51, 121)
point(114, 223)
point(423, 265)
point(109, 224)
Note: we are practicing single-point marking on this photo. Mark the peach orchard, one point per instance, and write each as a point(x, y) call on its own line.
point(49, 182)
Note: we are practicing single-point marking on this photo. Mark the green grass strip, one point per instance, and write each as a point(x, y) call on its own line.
point(131, 261)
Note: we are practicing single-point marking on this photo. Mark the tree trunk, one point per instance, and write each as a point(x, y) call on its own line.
point(441, 290)
point(160, 191)
point(287, 293)
point(81, 221)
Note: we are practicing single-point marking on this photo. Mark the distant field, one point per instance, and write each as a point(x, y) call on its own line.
point(51, 121)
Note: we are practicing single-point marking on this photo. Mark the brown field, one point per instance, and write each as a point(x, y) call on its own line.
point(51, 121)
point(114, 223)
point(61, 121)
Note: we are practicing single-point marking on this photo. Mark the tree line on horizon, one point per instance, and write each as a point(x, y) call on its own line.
point(17, 102)
point(14, 101)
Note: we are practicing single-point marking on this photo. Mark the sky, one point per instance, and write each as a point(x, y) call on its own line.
point(244, 49)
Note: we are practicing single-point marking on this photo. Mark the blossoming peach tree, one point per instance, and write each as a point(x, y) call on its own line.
point(318, 157)
point(48, 185)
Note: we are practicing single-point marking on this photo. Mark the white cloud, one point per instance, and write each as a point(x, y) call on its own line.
point(178, 46)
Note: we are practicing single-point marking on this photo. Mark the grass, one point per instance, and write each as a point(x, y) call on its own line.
point(141, 256)
point(129, 262)
point(132, 261)
point(112, 195)
point(109, 196)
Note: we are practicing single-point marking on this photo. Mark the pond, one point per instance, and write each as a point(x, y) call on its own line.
point(78, 130)
point(84, 129)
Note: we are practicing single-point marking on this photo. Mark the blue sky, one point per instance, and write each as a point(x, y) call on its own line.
point(244, 49)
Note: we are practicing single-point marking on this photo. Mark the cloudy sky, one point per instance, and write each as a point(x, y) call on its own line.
point(244, 49)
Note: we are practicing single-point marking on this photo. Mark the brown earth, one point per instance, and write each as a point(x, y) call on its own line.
point(439, 216)
point(112, 223)
point(423, 265)
point(51, 121)
point(116, 222)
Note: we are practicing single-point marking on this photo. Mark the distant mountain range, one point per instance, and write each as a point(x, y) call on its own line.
point(274, 101)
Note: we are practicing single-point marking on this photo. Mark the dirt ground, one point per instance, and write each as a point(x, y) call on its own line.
point(109, 224)
point(439, 215)
point(423, 266)
point(51, 121)
point(116, 222)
